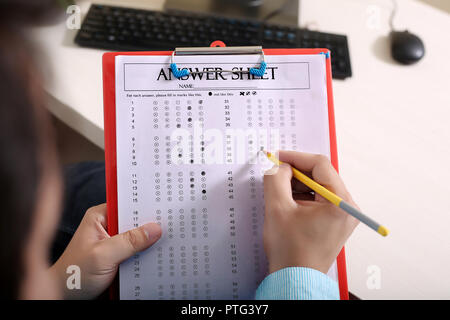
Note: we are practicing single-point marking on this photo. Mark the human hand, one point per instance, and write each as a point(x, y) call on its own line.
point(301, 230)
point(98, 255)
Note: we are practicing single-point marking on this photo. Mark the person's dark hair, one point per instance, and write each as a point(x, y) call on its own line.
point(24, 137)
point(30, 12)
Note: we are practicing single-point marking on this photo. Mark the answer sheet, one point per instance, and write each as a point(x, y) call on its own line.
point(187, 158)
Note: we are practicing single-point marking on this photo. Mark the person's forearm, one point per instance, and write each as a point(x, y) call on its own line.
point(59, 272)
point(60, 276)
point(297, 283)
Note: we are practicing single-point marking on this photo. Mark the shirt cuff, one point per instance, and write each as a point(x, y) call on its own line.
point(297, 283)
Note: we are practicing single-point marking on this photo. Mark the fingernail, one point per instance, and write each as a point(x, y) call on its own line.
point(272, 170)
point(152, 231)
point(285, 165)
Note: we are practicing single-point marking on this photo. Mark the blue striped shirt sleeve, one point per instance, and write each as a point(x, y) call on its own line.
point(297, 283)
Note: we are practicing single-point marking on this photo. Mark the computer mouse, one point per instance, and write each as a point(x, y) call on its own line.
point(406, 47)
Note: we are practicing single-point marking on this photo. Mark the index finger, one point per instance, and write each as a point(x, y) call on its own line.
point(320, 167)
point(277, 187)
point(98, 214)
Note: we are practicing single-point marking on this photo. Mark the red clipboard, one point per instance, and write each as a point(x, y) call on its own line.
point(109, 102)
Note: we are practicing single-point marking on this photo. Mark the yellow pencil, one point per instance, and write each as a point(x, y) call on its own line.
point(330, 196)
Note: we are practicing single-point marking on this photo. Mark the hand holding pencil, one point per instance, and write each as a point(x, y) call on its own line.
point(333, 198)
point(301, 230)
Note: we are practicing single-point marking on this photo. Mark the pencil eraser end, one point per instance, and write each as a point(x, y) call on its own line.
point(383, 231)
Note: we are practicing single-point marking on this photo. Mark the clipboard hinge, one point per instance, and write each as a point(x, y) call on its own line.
point(187, 51)
point(184, 51)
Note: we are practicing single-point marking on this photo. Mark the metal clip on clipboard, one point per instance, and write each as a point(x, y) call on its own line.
point(222, 50)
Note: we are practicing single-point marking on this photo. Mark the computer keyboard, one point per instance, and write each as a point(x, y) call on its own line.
point(119, 29)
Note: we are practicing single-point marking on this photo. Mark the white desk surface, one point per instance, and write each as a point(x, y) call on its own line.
point(393, 130)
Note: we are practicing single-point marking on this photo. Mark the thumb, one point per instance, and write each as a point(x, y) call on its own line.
point(124, 245)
